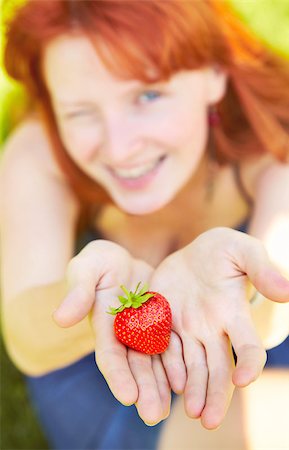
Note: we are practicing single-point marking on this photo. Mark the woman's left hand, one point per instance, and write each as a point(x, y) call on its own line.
point(205, 283)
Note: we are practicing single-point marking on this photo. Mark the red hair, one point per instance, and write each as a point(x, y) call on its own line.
point(167, 36)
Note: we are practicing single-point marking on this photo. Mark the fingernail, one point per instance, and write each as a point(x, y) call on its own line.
point(126, 403)
point(151, 424)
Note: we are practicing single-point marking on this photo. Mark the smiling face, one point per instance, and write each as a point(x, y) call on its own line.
point(141, 142)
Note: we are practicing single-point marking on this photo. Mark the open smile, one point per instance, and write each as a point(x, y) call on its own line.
point(139, 176)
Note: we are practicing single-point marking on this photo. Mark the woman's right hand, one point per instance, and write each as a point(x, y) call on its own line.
point(94, 277)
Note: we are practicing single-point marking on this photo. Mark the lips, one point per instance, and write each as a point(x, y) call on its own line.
point(137, 176)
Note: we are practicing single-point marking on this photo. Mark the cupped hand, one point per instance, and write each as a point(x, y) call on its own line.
point(94, 279)
point(205, 283)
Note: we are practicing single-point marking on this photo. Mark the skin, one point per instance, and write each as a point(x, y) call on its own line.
point(109, 124)
point(129, 128)
point(202, 322)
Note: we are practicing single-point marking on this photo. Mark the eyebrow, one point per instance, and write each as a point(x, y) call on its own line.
point(74, 103)
point(134, 87)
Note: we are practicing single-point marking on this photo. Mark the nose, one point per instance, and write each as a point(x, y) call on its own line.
point(121, 139)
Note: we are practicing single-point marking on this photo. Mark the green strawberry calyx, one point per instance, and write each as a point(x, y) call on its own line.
point(132, 299)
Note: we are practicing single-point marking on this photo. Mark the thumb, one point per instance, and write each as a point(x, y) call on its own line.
point(75, 306)
point(263, 274)
point(99, 265)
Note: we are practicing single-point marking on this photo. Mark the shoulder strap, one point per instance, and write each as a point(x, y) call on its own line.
point(240, 184)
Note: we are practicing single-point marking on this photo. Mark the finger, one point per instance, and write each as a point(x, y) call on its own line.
point(162, 384)
point(113, 364)
point(251, 355)
point(197, 377)
point(112, 360)
point(76, 305)
point(100, 264)
point(174, 364)
point(220, 387)
point(149, 404)
point(261, 271)
point(82, 275)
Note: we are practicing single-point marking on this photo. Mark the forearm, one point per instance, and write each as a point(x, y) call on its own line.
point(34, 342)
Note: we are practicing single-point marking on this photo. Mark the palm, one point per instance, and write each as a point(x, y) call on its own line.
point(133, 377)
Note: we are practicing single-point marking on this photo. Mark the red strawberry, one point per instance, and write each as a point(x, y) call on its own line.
point(143, 321)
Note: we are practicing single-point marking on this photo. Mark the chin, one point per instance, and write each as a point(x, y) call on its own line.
point(141, 207)
point(138, 210)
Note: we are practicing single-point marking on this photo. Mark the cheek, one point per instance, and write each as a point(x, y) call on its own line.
point(80, 142)
point(185, 127)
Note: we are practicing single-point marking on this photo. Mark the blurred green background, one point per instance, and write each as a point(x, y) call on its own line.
point(18, 425)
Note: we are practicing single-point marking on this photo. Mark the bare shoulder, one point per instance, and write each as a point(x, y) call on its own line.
point(27, 162)
point(262, 172)
point(29, 142)
point(38, 213)
point(275, 173)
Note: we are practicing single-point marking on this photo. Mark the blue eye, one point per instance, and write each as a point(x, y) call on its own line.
point(149, 96)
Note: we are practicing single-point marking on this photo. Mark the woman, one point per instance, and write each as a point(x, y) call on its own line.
point(159, 129)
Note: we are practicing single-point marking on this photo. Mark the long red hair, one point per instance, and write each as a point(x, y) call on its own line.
point(167, 36)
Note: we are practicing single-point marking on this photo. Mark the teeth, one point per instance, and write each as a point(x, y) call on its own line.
point(136, 172)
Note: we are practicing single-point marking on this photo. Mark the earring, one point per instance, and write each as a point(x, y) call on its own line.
point(214, 121)
point(214, 116)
